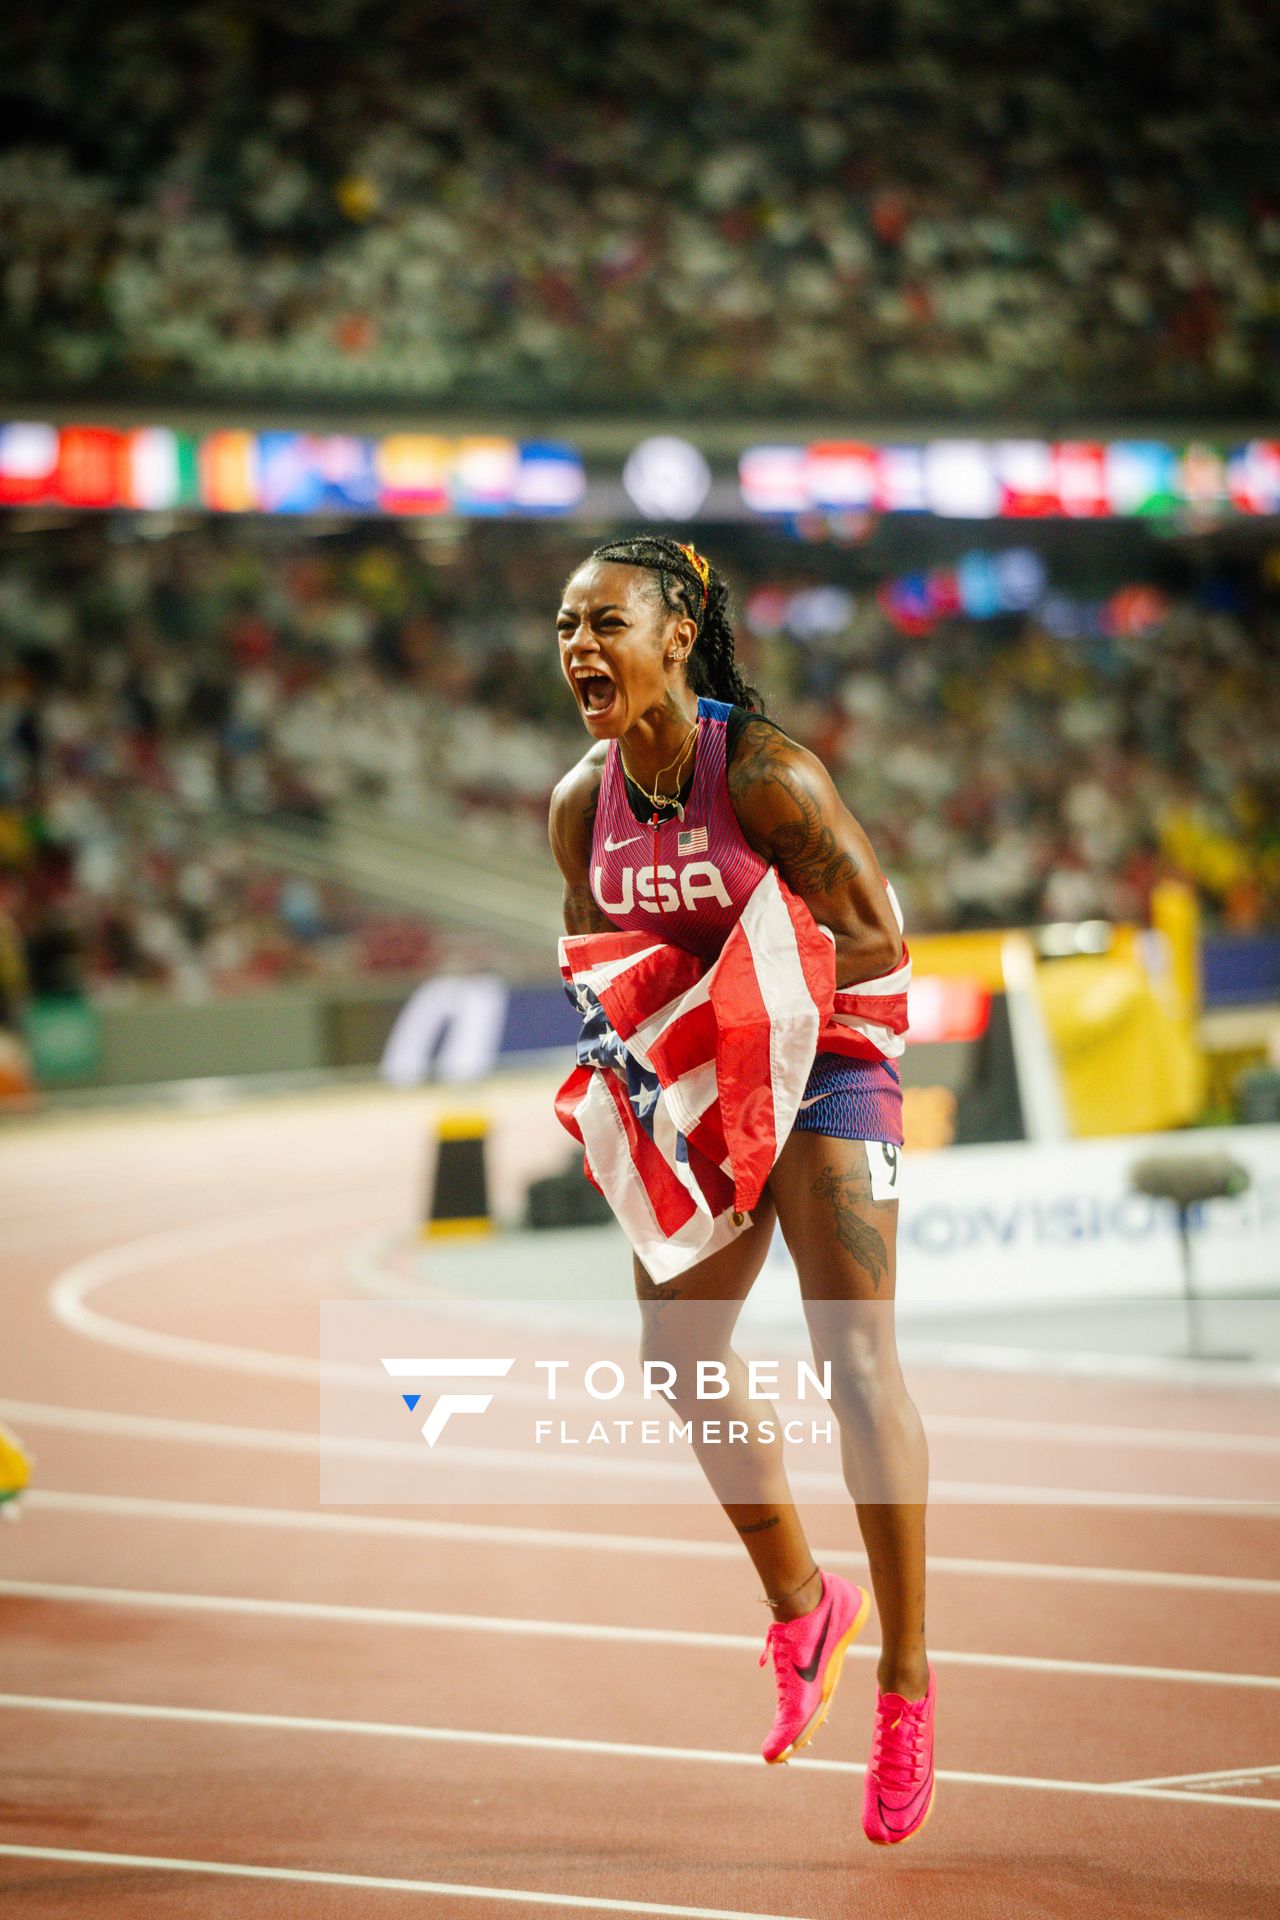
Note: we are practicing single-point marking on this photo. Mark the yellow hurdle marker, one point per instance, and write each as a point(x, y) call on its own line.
point(458, 1199)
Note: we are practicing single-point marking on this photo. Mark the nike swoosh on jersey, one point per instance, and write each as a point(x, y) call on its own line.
point(810, 1673)
point(611, 846)
point(813, 1100)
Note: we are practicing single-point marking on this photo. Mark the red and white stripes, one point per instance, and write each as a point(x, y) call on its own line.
point(731, 1046)
point(869, 1021)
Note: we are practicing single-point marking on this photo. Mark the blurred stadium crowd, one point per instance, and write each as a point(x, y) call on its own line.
point(655, 204)
point(159, 695)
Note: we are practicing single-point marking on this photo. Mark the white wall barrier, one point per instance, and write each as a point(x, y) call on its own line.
point(1034, 1225)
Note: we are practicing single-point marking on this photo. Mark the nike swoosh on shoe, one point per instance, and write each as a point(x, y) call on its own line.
point(810, 1673)
point(908, 1810)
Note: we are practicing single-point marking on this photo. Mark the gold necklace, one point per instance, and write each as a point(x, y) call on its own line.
point(658, 800)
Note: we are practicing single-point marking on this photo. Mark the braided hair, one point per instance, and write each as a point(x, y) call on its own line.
point(687, 585)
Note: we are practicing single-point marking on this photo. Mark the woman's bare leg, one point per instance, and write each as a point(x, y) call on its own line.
point(681, 1333)
point(844, 1245)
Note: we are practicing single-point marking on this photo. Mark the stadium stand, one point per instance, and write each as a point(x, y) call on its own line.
point(177, 714)
point(648, 205)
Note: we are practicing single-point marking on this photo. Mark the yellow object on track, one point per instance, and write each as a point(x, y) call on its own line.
point(15, 1467)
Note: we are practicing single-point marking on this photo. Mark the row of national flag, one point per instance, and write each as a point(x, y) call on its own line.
point(1013, 479)
point(158, 468)
point(230, 470)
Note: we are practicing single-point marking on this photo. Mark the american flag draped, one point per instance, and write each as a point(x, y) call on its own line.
point(689, 1076)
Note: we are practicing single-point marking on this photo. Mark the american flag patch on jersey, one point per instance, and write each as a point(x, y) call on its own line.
point(692, 840)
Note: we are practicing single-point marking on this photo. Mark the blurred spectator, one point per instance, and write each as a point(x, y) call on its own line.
point(1062, 204)
point(156, 694)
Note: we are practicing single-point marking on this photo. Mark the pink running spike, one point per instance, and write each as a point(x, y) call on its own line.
point(807, 1656)
point(898, 1795)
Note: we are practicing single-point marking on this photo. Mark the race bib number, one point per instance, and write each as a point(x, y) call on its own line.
point(883, 1162)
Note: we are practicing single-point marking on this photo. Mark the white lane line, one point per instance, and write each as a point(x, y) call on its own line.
point(1173, 1439)
point(312, 1877)
point(649, 1546)
point(482, 1459)
point(202, 1433)
point(69, 1294)
point(1144, 1369)
point(1231, 1774)
point(515, 1626)
point(554, 1743)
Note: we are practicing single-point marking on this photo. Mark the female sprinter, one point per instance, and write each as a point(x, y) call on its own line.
point(647, 648)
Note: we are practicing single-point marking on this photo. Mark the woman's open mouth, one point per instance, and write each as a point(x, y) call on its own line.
point(596, 691)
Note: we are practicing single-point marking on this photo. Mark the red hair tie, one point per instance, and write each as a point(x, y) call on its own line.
point(700, 567)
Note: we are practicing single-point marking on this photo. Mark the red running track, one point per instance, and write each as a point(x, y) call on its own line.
point(220, 1698)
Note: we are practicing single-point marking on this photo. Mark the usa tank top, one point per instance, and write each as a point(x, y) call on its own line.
point(691, 886)
point(688, 880)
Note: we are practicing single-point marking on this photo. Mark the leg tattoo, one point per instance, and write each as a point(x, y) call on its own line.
point(850, 1196)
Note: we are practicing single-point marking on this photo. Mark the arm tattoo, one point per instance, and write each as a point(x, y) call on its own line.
point(581, 914)
point(850, 1197)
point(801, 846)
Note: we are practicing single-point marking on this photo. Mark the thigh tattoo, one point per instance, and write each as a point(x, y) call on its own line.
point(851, 1203)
